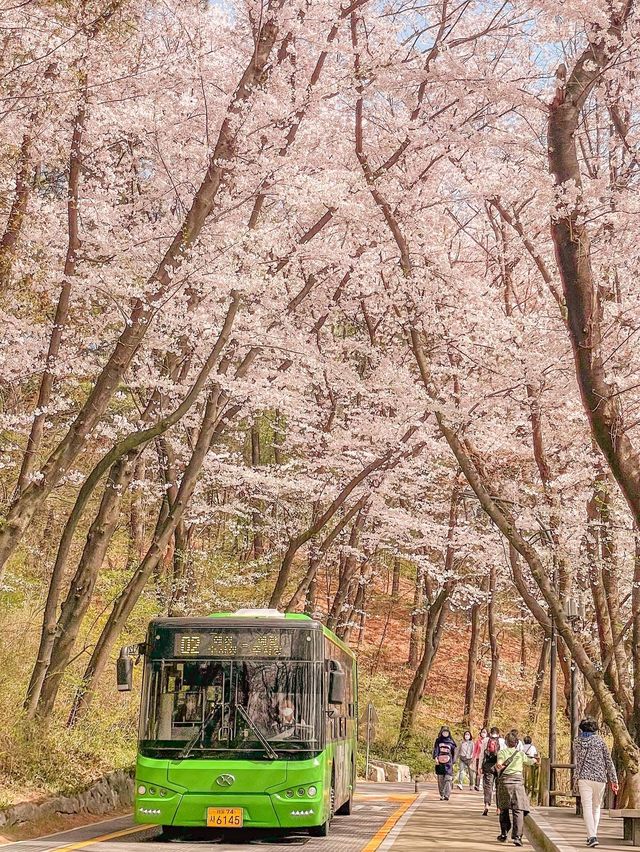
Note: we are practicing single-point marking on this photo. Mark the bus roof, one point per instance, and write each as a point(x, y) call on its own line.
point(268, 618)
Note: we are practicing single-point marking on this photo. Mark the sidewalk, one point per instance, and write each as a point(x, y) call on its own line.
point(456, 825)
point(560, 830)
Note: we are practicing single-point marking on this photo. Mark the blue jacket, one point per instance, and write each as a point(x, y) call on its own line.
point(448, 767)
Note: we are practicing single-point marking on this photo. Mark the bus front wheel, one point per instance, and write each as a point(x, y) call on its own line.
point(171, 832)
point(323, 830)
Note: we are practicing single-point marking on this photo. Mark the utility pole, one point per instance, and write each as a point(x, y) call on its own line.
point(553, 707)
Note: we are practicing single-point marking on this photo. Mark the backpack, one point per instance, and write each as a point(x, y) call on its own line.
point(444, 753)
point(491, 752)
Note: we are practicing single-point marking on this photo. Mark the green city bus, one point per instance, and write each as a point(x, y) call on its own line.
point(247, 719)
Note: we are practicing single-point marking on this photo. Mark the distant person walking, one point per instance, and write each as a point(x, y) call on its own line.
point(478, 745)
point(528, 747)
point(593, 768)
point(444, 750)
point(511, 795)
point(464, 756)
point(488, 761)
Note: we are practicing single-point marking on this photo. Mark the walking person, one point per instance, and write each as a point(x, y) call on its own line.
point(593, 768)
point(444, 750)
point(464, 756)
point(488, 761)
point(511, 795)
point(528, 747)
point(478, 745)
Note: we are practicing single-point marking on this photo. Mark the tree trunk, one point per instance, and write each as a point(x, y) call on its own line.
point(348, 573)
point(210, 427)
point(538, 686)
point(80, 593)
point(472, 664)
point(416, 613)
point(569, 230)
point(416, 688)
point(257, 512)
point(62, 309)
point(395, 582)
point(493, 644)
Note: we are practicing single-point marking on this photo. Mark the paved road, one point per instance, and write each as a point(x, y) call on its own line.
point(377, 811)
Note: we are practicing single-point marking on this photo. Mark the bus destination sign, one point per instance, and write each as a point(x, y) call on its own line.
point(250, 643)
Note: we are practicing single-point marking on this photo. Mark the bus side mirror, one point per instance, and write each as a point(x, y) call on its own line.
point(124, 672)
point(337, 685)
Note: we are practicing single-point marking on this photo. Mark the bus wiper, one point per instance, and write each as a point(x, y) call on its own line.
point(186, 751)
point(273, 754)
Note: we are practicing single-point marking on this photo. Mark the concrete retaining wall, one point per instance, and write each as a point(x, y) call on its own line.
point(112, 791)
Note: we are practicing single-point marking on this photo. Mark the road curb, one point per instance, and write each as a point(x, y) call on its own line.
point(544, 836)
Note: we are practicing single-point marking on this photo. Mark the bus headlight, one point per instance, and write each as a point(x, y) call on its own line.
point(312, 791)
point(142, 789)
point(301, 791)
point(289, 794)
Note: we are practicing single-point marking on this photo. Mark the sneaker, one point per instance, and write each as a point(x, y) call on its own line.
point(442, 798)
point(485, 812)
point(517, 841)
point(502, 838)
point(446, 798)
point(459, 786)
point(477, 789)
point(592, 841)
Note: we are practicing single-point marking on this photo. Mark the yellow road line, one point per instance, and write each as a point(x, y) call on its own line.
point(100, 838)
point(384, 830)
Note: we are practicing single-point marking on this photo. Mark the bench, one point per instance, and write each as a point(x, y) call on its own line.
point(630, 822)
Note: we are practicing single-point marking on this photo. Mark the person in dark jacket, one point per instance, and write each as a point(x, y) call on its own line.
point(444, 750)
point(594, 768)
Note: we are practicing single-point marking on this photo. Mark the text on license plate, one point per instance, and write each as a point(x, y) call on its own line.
point(225, 817)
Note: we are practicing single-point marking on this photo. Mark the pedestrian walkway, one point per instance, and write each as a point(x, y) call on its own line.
point(565, 832)
point(456, 825)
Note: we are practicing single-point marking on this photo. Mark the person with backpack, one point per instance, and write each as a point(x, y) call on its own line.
point(489, 758)
point(464, 756)
point(478, 745)
point(444, 750)
point(594, 768)
point(512, 798)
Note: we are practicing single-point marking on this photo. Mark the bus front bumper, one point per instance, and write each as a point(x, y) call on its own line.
point(260, 810)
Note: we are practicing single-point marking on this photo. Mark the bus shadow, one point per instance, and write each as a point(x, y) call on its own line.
point(253, 837)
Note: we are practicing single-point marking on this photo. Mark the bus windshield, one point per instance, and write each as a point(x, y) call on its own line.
point(194, 704)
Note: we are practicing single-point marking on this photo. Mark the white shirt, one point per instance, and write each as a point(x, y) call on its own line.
point(530, 750)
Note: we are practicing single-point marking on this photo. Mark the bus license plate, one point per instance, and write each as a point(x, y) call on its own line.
point(225, 817)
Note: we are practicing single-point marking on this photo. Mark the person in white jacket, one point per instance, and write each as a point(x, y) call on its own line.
point(464, 756)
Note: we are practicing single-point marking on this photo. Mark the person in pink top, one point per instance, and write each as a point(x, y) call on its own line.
point(478, 746)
